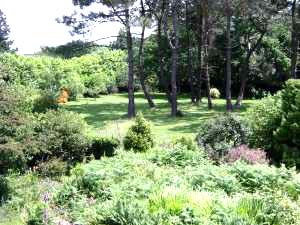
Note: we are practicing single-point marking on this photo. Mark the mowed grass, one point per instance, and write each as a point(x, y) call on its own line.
point(107, 115)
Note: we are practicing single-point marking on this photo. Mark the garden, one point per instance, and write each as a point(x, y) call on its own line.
point(197, 123)
point(84, 162)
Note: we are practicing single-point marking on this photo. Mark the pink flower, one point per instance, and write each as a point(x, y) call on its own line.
point(251, 156)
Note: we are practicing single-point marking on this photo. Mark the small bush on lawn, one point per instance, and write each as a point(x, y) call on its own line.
point(218, 135)
point(62, 134)
point(4, 189)
point(139, 137)
point(244, 153)
point(53, 168)
point(215, 93)
point(104, 146)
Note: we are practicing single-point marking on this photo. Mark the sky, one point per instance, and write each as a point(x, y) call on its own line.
point(33, 25)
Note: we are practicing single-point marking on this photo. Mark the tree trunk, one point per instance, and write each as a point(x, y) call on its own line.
point(161, 75)
point(206, 57)
point(244, 76)
point(228, 57)
point(245, 71)
point(175, 45)
point(141, 69)
point(131, 105)
point(189, 58)
point(295, 41)
point(199, 49)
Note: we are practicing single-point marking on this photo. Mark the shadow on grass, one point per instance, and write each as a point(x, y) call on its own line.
point(107, 109)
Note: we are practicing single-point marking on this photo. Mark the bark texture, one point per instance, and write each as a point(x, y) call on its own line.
point(131, 104)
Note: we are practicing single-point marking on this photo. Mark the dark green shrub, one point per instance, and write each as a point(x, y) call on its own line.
point(4, 189)
point(104, 146)
point(16, 127)
point(287, 136)
point(46, 101)
point(62, 134)
point(218, 135)
point(139, 137)
point(264, 118)
point(53, 168)
point(12, 157)
point(27, 140)
point(275, 123)
point(16, 99)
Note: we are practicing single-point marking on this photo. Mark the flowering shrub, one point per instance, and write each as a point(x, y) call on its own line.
point(215, 93)
point(63, 96)
point(243, 152)
point(216, 136)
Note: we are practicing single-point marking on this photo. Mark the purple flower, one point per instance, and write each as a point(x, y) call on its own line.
point(46, 197)
point(251, 156)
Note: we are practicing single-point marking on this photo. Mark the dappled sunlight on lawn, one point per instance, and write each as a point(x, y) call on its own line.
point(107, 115)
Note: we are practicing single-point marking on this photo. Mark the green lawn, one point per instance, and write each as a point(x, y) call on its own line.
point(107, 114)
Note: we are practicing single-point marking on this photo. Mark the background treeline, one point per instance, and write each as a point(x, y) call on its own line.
point(244, 48)
point(269, 65)
point(101, 72)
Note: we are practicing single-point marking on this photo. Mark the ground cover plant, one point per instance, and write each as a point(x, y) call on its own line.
point(142, 188)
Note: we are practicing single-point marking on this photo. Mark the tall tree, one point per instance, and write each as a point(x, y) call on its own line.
point(158, 10)
point(228, 54)
point(295, 33)
point(122, 11)
point(199, 37)
point(131, 104)
point(206, 45)
point(252, 25)
point(190, 71)
point(5, 43)
point(174, 44)
point(144, 20)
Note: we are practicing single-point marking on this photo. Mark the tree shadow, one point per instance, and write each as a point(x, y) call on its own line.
point(108, 109)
